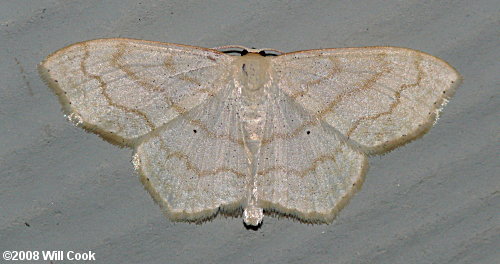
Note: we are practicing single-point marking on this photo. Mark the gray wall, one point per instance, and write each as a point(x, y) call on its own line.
point(432, 201)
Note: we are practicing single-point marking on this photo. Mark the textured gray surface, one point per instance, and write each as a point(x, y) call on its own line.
point(435, 200)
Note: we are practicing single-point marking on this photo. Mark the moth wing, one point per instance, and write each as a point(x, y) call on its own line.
point(305, 168)
point(378, 97)
point(196, 165)
point(123, 89)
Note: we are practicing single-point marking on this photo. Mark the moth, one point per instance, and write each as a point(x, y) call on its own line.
point(250, 134)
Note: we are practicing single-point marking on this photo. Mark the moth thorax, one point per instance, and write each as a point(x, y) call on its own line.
point(253, 73)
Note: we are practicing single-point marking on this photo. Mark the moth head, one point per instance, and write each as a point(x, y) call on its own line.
point(242, 51)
